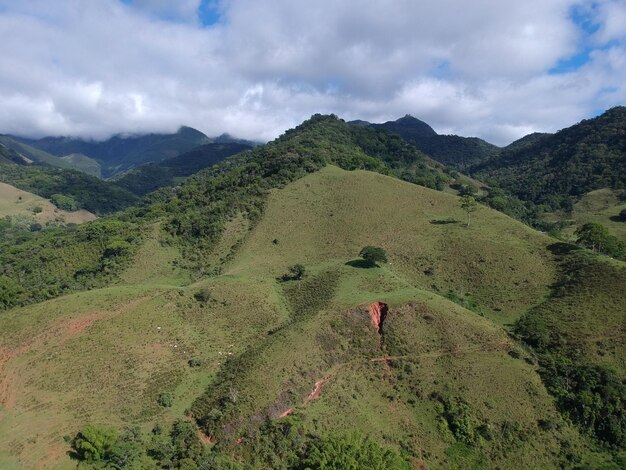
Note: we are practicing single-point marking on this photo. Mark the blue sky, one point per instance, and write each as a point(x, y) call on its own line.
point(253, 68)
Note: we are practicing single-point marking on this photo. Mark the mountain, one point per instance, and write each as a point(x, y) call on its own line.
point(122, 152)
point(10, 156)
point(229, 139)
point(452, 150)
point(147, 178)
point(230, 322)
point(68, 189)
point(34, 154)
point(557, 169)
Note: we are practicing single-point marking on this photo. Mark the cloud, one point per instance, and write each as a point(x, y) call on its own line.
point(483, 68)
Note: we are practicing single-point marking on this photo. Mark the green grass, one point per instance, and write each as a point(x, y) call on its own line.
point(267, 343)
point(600, 206)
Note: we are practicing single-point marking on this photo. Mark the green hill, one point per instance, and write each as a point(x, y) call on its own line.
point(558, 169)
point(84, 191)
point(178, 323)
point(34, 154)
point(452, 150)
point(122, 152)
point(147, 178)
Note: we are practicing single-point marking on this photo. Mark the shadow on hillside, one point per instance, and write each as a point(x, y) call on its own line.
point(562, 248)
point(444, 221)
point(617, 218)
point(361, 263)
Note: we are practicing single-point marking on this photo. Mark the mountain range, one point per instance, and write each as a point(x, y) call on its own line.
point(345, 296)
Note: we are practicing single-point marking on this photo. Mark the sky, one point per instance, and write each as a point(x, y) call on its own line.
point(496, 69)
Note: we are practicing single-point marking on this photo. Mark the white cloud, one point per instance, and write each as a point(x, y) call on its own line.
point(479, 68)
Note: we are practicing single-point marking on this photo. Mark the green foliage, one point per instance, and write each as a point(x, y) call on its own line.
point(150, 177)
point(353, 452)
point(94, 443)
point(460, 419)
point(71, 189)
point(373, 255)
point(590, 394)
point(452, 150)
point(67, 203)
point(10, 292)
point(311, 294)
point(203, 295)
point(555, 169)
point(49, 263)
point(165, 399)
point(469, 205)
point(597, 238)
point(294, 273)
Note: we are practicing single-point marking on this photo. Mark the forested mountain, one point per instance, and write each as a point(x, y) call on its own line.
point(304, 304)
point(559, 168)
point(122, 152)
point(68, 189)
point(452, 150)
point(150, 177)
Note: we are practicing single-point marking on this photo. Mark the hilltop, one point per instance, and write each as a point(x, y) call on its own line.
point(456, 353)
point(452, 150)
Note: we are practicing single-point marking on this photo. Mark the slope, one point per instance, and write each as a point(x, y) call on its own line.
point(79, 190)
point(33, 153)
point(24, 205)
point(558, 169)
point(122, 152)
point(147, 178)
point(267, 344)
point(452, 150)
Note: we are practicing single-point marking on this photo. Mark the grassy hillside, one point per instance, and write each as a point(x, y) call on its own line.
point(20, 204)
point(77, 190)
point(601, 206)
point(490, 346)
point(263, 348)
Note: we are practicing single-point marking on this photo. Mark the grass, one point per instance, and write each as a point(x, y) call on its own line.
point(105, 355)
point(599, 206)
point(15, 202)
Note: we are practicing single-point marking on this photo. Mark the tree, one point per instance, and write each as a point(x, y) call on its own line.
point(294, 273)
point(598, 238)
point(622, 215)
point(93, 443)
point(353, 451)
point(373, 255)
point(469, 205)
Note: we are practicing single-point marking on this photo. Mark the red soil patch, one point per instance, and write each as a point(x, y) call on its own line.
point(287, 412)
point(315, 393)
point(385, 359)
point(378, 312)
point(204, 438)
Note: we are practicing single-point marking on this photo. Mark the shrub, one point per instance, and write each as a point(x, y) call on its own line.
point(203, 295)
point(194, 362)
point(165, 399)
point(294, 273)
